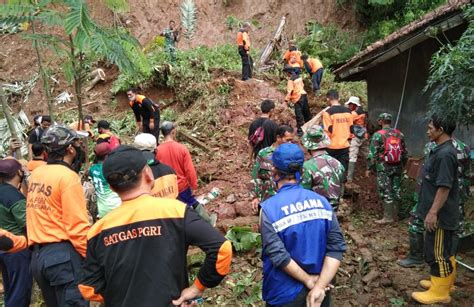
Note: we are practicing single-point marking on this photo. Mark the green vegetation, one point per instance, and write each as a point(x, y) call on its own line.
point(380, 17)
point(233, 23)
point(188, 18)
point(329, 43)
point(188, 76)
point(451, 80)
point(243, 238)
point(81, 41)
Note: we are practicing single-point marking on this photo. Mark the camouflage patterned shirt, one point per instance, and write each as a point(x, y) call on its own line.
point(376, 152)
point(323, 174)
point(264, 187)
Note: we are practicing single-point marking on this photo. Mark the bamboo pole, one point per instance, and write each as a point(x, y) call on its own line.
point(9, 119)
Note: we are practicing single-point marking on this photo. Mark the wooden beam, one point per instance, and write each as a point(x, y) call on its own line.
point(188, 138)
point(267, 52)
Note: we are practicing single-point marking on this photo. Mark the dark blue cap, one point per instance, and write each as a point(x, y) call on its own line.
point(288, 158)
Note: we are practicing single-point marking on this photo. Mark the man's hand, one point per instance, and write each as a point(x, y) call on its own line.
point(431, 221)
point(367, 173)
point(255, 203)
point(188, 294)
point(311, 282)
point(315, 297)
point(152, 125)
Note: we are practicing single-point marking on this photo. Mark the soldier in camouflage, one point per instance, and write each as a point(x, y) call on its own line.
point(322, 173)
point(388, 176)
point(264, 187)
point(416, 226)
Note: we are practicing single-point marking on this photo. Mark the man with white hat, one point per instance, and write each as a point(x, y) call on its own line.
point(166, 181)
point(359, 134)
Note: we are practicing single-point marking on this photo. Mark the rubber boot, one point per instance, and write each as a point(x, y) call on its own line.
point(415, 254)
point(387, 214)
point(201, 211)
point(437, 293)
point(426, 284)
point(395, 208)
point(350, 172)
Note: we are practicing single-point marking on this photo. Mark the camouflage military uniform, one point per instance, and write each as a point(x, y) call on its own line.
point(323, 174)
point(416, 225)
point(170, 41)
point(388, 177)
point(264, 187)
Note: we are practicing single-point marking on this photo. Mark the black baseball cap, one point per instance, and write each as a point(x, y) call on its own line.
point(123, 165)
point(103, 124)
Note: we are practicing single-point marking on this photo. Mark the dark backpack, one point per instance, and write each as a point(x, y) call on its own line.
point(393, 147)
point(258, 136)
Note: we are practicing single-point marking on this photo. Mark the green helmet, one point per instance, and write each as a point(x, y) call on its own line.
point(385, 116)
point(315, 138)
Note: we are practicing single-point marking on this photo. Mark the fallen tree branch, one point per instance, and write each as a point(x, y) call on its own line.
point(75, 107)
point(188, 138)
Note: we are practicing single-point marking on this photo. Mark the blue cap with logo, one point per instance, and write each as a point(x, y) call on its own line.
point(288, 158)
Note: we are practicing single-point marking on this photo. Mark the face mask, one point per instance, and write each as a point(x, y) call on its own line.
point(78, 159)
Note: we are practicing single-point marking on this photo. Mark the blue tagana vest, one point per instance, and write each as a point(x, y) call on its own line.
point(302, 220)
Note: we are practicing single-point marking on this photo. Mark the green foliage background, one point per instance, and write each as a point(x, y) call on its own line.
point(451, 80)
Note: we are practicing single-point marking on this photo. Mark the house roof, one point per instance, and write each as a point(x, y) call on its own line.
point(447, 16)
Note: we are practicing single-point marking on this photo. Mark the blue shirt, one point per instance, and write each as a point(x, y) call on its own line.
point(296, 224)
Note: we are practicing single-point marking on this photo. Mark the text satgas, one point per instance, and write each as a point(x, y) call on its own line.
point(301, 206)
point(40, 188)
point(147, 231)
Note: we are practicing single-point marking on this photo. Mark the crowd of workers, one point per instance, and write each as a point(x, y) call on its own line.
point(132, 250)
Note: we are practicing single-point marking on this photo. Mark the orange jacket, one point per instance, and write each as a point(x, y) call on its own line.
point(338, 121)
point(359, 119)
point(56, 207)
point(82, 127)
point(315, 65)
point(243, 39)
point(294, 90)
point(33, 164)
point(296, 54)
point(166, 187)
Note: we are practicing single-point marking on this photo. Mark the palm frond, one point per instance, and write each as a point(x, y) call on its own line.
point(78, 19)
point(188, 18)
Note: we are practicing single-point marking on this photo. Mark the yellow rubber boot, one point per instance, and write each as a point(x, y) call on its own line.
point(437, 293)
point(426, 284)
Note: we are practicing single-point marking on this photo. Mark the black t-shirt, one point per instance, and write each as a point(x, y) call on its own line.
point(35, 135)
point(441, 170)
point(269, 132)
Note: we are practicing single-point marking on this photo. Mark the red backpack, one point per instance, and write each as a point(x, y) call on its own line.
point(257, 136)
point(393, 147)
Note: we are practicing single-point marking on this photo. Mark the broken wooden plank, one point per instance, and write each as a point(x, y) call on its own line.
point(188, 138)
point(267, 52)
point(75, 107)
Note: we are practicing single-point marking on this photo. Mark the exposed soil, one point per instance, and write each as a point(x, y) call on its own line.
point(372, 249)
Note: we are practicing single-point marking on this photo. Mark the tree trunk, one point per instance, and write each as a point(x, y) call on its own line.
point(9, 119)
point(44, 77)
point(78, 67)
point(267, 52)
